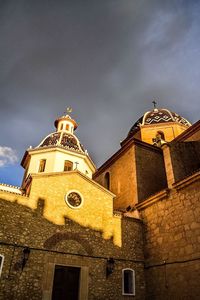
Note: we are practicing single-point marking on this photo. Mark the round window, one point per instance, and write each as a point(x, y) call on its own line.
point(73, 199)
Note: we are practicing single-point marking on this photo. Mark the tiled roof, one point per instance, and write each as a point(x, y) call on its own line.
point(158, 116)
point(62, 139)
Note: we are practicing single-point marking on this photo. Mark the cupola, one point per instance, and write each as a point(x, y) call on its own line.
point(59, 151)
point(65, 123)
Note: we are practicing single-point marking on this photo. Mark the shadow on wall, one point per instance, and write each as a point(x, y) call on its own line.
point(30, 227)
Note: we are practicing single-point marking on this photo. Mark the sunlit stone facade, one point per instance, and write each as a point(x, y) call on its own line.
point(129, 230)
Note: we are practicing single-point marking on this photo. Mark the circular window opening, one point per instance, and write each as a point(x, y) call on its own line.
point(73, 199)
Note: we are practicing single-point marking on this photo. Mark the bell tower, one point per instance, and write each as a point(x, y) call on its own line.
point(60, 151)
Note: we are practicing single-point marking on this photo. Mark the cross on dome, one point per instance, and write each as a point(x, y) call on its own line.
point(154, 104)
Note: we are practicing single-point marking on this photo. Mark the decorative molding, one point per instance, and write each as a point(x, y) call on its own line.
point(10, 188)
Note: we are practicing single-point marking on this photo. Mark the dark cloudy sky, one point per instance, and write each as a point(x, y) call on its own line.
point(107, 59)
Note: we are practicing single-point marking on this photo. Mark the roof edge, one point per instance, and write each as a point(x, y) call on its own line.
point(188, 132)
point(73, 172)
point(131, 141)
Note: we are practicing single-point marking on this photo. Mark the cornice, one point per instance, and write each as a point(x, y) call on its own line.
point(188, 132)
point(69, 173)
point(56, 148)
point(130, 142)
point(187, 181)
point(152, 199)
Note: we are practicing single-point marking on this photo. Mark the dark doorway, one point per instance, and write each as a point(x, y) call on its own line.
point(66, 283)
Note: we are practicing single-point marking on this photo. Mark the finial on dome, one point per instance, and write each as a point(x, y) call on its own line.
point(154, 105)
point(69, 110)
point(65, 122)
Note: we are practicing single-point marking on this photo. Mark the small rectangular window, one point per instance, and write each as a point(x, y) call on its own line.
point(1, 263)
point(42, 165)
point(128, 282)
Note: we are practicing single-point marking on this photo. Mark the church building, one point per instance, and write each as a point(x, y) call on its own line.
point(127, 230)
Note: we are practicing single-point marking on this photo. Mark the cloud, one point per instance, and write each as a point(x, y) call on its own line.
point(106, 59)
point(7, 156)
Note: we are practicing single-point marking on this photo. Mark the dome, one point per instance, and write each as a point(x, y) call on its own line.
point(63, 139)
point(158, 116)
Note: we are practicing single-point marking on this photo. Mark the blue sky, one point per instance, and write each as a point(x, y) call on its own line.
point(107, 59)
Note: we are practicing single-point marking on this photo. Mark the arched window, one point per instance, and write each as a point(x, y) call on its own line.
point(1, 263)
point(68, 165)
point(67, 127)
point(128, 282)
point(107, 180)
point(42, 165)
point(161, 135)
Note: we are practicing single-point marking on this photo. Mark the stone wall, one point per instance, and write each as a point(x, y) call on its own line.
point(135, 175)
point(172, 243)
point(185, 158)
point(150, 171)
point(66, 244)
point(122, 178)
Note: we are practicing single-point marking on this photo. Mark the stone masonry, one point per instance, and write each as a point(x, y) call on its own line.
point(172, 242)
point(34, 222)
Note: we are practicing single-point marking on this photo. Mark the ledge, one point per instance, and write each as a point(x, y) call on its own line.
point(152, 199)
point(126, 145)
point(187, 181)
point(10, 188)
